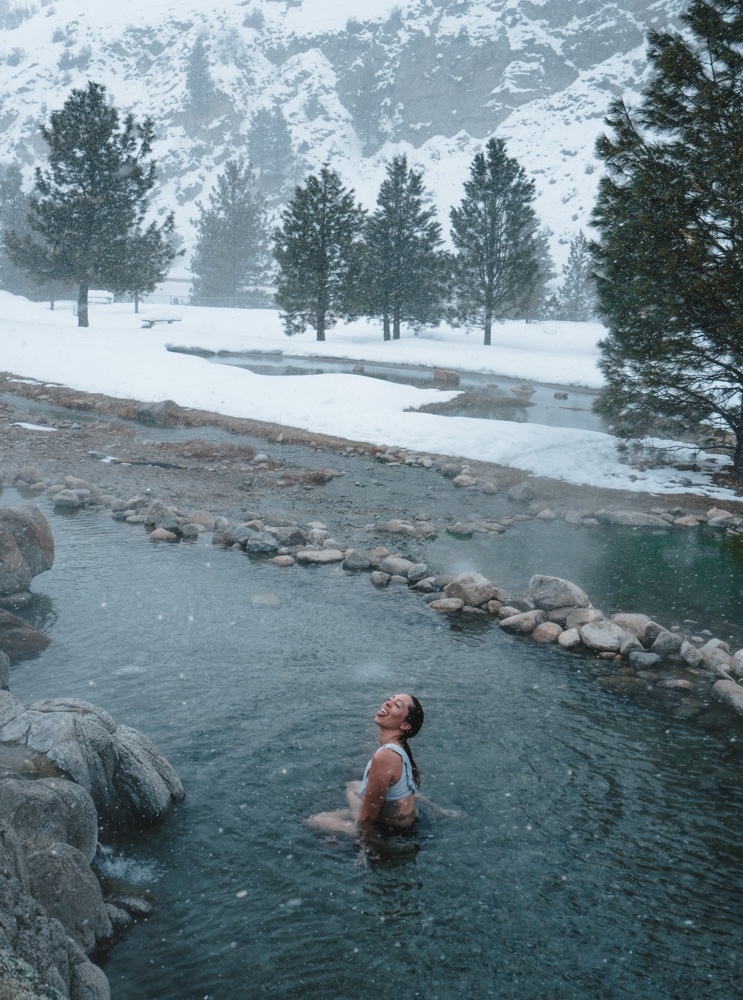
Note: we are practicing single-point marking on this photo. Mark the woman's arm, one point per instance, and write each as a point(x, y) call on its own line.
point(386, 769)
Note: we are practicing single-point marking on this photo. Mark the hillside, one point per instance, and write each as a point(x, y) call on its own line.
point(429, 77)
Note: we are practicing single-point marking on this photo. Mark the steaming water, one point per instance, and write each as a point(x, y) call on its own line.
point(598, 852)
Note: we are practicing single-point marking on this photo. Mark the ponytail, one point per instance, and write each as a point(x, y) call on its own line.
point(414, 720)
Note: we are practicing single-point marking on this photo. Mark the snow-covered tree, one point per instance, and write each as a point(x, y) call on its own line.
point(202, 95)
point(231, 254)
point(318, 251)
point(669, 257)
point(269, 143)
point(404, 275)
point(87, 211)
point(495, 234)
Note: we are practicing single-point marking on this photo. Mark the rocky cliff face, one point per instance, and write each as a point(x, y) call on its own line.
point(429, 77)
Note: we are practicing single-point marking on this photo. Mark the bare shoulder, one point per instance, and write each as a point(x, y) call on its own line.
point(386, 759)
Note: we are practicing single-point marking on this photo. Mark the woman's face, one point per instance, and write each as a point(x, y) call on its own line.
point(393, 712)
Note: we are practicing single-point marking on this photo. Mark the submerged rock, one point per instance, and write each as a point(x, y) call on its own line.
point(18, 640)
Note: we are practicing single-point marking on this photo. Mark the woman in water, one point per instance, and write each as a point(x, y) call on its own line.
point(385, 798)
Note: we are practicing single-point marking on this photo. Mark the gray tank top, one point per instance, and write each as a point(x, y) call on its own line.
point(406, 784)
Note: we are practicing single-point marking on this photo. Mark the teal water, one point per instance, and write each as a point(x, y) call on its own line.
point(597, 854)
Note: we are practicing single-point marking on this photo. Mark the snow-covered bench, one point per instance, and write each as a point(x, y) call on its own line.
point(149, 321)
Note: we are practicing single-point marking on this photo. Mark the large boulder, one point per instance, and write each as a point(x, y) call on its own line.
point(524, 623)
point(551, 592)
point(61, 880)
point(18, 640)
point(634, 623)
point(26, 547)
point(470, 588)
point(730, 693)
point(128, 779)
point(49, 810)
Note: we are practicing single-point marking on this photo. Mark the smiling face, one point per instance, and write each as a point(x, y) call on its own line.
point(393, 713)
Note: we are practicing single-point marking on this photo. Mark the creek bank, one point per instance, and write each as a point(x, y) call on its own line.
point(552, 611)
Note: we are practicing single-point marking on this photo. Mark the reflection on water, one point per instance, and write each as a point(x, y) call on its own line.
point(597, 854)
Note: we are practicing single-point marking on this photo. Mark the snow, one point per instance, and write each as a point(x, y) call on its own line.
point(116, 357)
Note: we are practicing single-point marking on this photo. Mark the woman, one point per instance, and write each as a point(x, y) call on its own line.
point(385, 798)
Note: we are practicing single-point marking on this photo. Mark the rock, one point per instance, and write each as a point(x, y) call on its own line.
point(603, 636)
point(319, 557)
point(716, 660)
point(547, 632)
point(284, 560)
point(524, 623)
point(395, 565)
point(316, 536)
point(470, 588)
point(190, 532)
point(507, 611)
point(4, 670)
point(162, 414)
point(446, 376)
point(291, 535)
point(488, 487)
point(666, 644)
point(377, 555)
point(28, 474)
point(738, 663)
point(461, 530)
point(204, 518)
point(690, 655)
point(464, 481)
point(494, 607)
point(417, 572)
point(68, 498)
point(49, 810)
point(650, 634)
point(158, 515)
point(425, 586)
point(573, 517)
point(18, 640)
point(559, 395)
point(550, 592)
point(686, 522)
point(521, 492)
point(570, 638)
point(446, 604)
point(730, 694)
point(145, 783)
point(261, 543)
point(715, 512)
point(632, 518)
point(221, 523)
point(380, 579)
point(631, 644)
point(162, 535)
point(62, 881)
point(583, 616)
point(634, 623)
point(642, 660)
point(356, 561)
point(546, 515)
point(26, 547)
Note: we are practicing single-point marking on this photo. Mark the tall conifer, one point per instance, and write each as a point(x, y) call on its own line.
point(318, 250)
point(404, 275)
point(87, 210)
point(669, 258)
point(495, 234)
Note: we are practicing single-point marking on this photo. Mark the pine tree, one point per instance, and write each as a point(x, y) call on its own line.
point(231, 251)
point(577, 296)
point(404, 275)
point(202, 94)
point(535, 305)
point(87, 210)
point(269, 143)
point(318, 250)
point(669, 258)
point(495, 233)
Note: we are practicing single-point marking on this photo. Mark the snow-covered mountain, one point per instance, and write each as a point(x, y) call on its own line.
point(355, 83)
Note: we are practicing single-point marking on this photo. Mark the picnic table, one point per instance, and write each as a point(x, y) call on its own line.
point(149, 321)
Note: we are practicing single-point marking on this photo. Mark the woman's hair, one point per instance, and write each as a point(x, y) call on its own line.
point(414, 719)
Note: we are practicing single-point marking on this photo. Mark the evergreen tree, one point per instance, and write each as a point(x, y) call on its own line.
point(404, 274)
point(669, 258)
point(494, 231)
point(318, 250)
point(269, 143)
point(87, 210)
point(14, 207)
point(203, 97)
point(535, 305)
point(232, 245)
point(577, 296)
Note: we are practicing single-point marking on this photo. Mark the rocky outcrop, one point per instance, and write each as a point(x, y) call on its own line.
point(26, 547)
point(128, 778)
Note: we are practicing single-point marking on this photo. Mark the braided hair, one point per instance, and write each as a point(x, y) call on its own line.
point(414, 719)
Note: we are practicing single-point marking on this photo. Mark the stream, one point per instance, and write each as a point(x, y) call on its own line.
point(597, 853)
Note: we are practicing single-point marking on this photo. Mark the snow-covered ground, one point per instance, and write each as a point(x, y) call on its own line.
point(117, 357)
